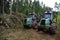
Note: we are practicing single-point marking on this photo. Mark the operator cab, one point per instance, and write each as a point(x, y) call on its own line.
point(48, 15)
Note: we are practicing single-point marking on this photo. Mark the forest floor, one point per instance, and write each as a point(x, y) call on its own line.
point(30, 34)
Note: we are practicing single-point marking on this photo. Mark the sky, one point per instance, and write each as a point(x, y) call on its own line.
point(49, 3)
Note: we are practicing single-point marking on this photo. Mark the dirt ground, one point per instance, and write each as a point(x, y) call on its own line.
point(23, 34)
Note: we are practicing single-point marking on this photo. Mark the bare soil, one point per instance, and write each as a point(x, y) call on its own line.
point(30, 34)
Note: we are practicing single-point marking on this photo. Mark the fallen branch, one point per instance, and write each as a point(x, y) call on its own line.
point(16, 18)
point(6, 24)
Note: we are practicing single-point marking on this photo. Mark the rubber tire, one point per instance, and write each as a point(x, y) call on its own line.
point(52, 32)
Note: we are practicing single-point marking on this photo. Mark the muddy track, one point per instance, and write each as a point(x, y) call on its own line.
point(28, 35)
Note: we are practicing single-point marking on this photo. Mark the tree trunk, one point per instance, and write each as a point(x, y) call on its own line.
point(10, 7)
point(17, 6)
point(1, 5)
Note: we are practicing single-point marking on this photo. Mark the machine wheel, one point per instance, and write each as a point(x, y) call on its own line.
point(52, 32)
point(52, 29)
point(34, 25)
